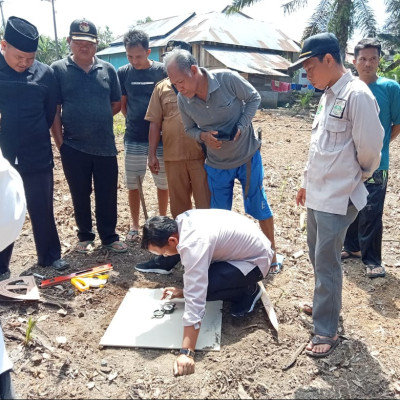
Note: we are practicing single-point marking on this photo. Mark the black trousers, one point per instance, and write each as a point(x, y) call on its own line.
point(6, 386)
point(81, 169)
point(39, 199)
point(365, 233)
point(226, 282)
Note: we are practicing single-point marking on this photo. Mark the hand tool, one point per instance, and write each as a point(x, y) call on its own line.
point(269, 307)
point(83, 284)
point(84, 273)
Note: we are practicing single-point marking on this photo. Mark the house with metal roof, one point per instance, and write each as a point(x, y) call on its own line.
point(255, 49)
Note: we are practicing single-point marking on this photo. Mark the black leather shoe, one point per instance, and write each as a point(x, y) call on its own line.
point(5, 275)
point(60, 265)
point(159, 265)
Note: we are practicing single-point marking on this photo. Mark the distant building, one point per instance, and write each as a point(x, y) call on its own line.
point(255, 49)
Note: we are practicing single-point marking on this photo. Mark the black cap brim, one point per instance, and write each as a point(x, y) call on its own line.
point(298, 64)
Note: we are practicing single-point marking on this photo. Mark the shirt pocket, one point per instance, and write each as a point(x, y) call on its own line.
point(228, 109)
point(335, 135)
point(170, 107)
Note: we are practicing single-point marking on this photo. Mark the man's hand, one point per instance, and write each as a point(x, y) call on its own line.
point(172, 293)
point(209, 139)
point(153, 164)
point(301, 197)
point(183, 365)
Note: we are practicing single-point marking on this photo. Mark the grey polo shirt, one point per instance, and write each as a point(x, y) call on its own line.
point(230, 100)
point(346, 142)
point(86, 100)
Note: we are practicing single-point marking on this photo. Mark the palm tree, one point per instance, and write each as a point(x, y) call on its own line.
point(340, 17)
point(390, 34)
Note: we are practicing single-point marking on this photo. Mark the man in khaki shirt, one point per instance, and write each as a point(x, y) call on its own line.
point(346, 139)
point(183, 160)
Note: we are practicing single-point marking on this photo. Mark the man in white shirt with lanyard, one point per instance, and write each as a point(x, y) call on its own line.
point(346, 140)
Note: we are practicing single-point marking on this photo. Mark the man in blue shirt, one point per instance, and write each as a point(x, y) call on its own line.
point(88, 97)
point(364, 236)
point(27, 108)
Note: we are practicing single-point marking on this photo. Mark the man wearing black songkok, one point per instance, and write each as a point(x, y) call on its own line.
point(27, 109)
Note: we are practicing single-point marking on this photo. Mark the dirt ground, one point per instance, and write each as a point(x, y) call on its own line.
point(64, 359)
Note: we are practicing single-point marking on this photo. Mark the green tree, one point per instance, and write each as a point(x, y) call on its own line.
point(141, 22)
point(105, 37)
point(47, 53)
point(390, 34)
point(340, 17)
point(390, 69)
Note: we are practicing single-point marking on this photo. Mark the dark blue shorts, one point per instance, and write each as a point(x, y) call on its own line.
point(221, 183)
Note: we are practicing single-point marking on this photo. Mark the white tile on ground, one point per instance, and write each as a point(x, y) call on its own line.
point(133, 325)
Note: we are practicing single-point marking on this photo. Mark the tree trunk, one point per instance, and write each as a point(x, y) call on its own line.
point(341, 24)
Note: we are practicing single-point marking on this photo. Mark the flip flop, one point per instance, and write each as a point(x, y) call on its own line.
point(278, 269)
point(84, 247)
point(133, 236)
point(116, 247)
point(316, 340)
point(372, 275)
point(348, 254)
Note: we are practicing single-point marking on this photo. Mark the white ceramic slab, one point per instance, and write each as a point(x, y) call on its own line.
point(133, 325)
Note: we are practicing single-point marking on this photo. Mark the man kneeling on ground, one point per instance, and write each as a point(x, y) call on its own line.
point(224, 256)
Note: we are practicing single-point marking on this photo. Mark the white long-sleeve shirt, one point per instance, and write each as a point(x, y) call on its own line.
point(207, 236)
point(346, 142)
point(12, 216)
point(12, 203)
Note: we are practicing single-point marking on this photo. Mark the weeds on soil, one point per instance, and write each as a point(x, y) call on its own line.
point(29, 328)
point(119, 124)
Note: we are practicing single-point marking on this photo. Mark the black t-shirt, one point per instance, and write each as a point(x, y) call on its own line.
point(138, 85)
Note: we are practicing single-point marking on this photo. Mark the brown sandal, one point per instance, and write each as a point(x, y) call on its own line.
point(84, 247)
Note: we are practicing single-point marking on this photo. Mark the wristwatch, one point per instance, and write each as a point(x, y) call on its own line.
point(187, 352)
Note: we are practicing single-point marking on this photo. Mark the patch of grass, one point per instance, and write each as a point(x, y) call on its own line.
point(119, 124)
point(305, 99)
point(29, 328)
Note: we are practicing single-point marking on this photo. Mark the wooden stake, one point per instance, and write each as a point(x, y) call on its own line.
point(269, 307)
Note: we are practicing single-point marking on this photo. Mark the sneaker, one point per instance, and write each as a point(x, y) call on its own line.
point(247, 303)
point(60, 264)
point(159, 265)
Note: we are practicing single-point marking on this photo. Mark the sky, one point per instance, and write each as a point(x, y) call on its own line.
point(119, 15)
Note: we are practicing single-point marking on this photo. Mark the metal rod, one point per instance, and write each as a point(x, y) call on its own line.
point(55, 30)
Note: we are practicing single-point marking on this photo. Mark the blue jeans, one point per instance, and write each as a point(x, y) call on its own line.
point(325, 236)
point(365, 233)
point(221, 182)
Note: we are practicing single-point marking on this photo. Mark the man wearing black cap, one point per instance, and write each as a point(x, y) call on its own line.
point(27, 108)
point(344, 151)
point(88, 97)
